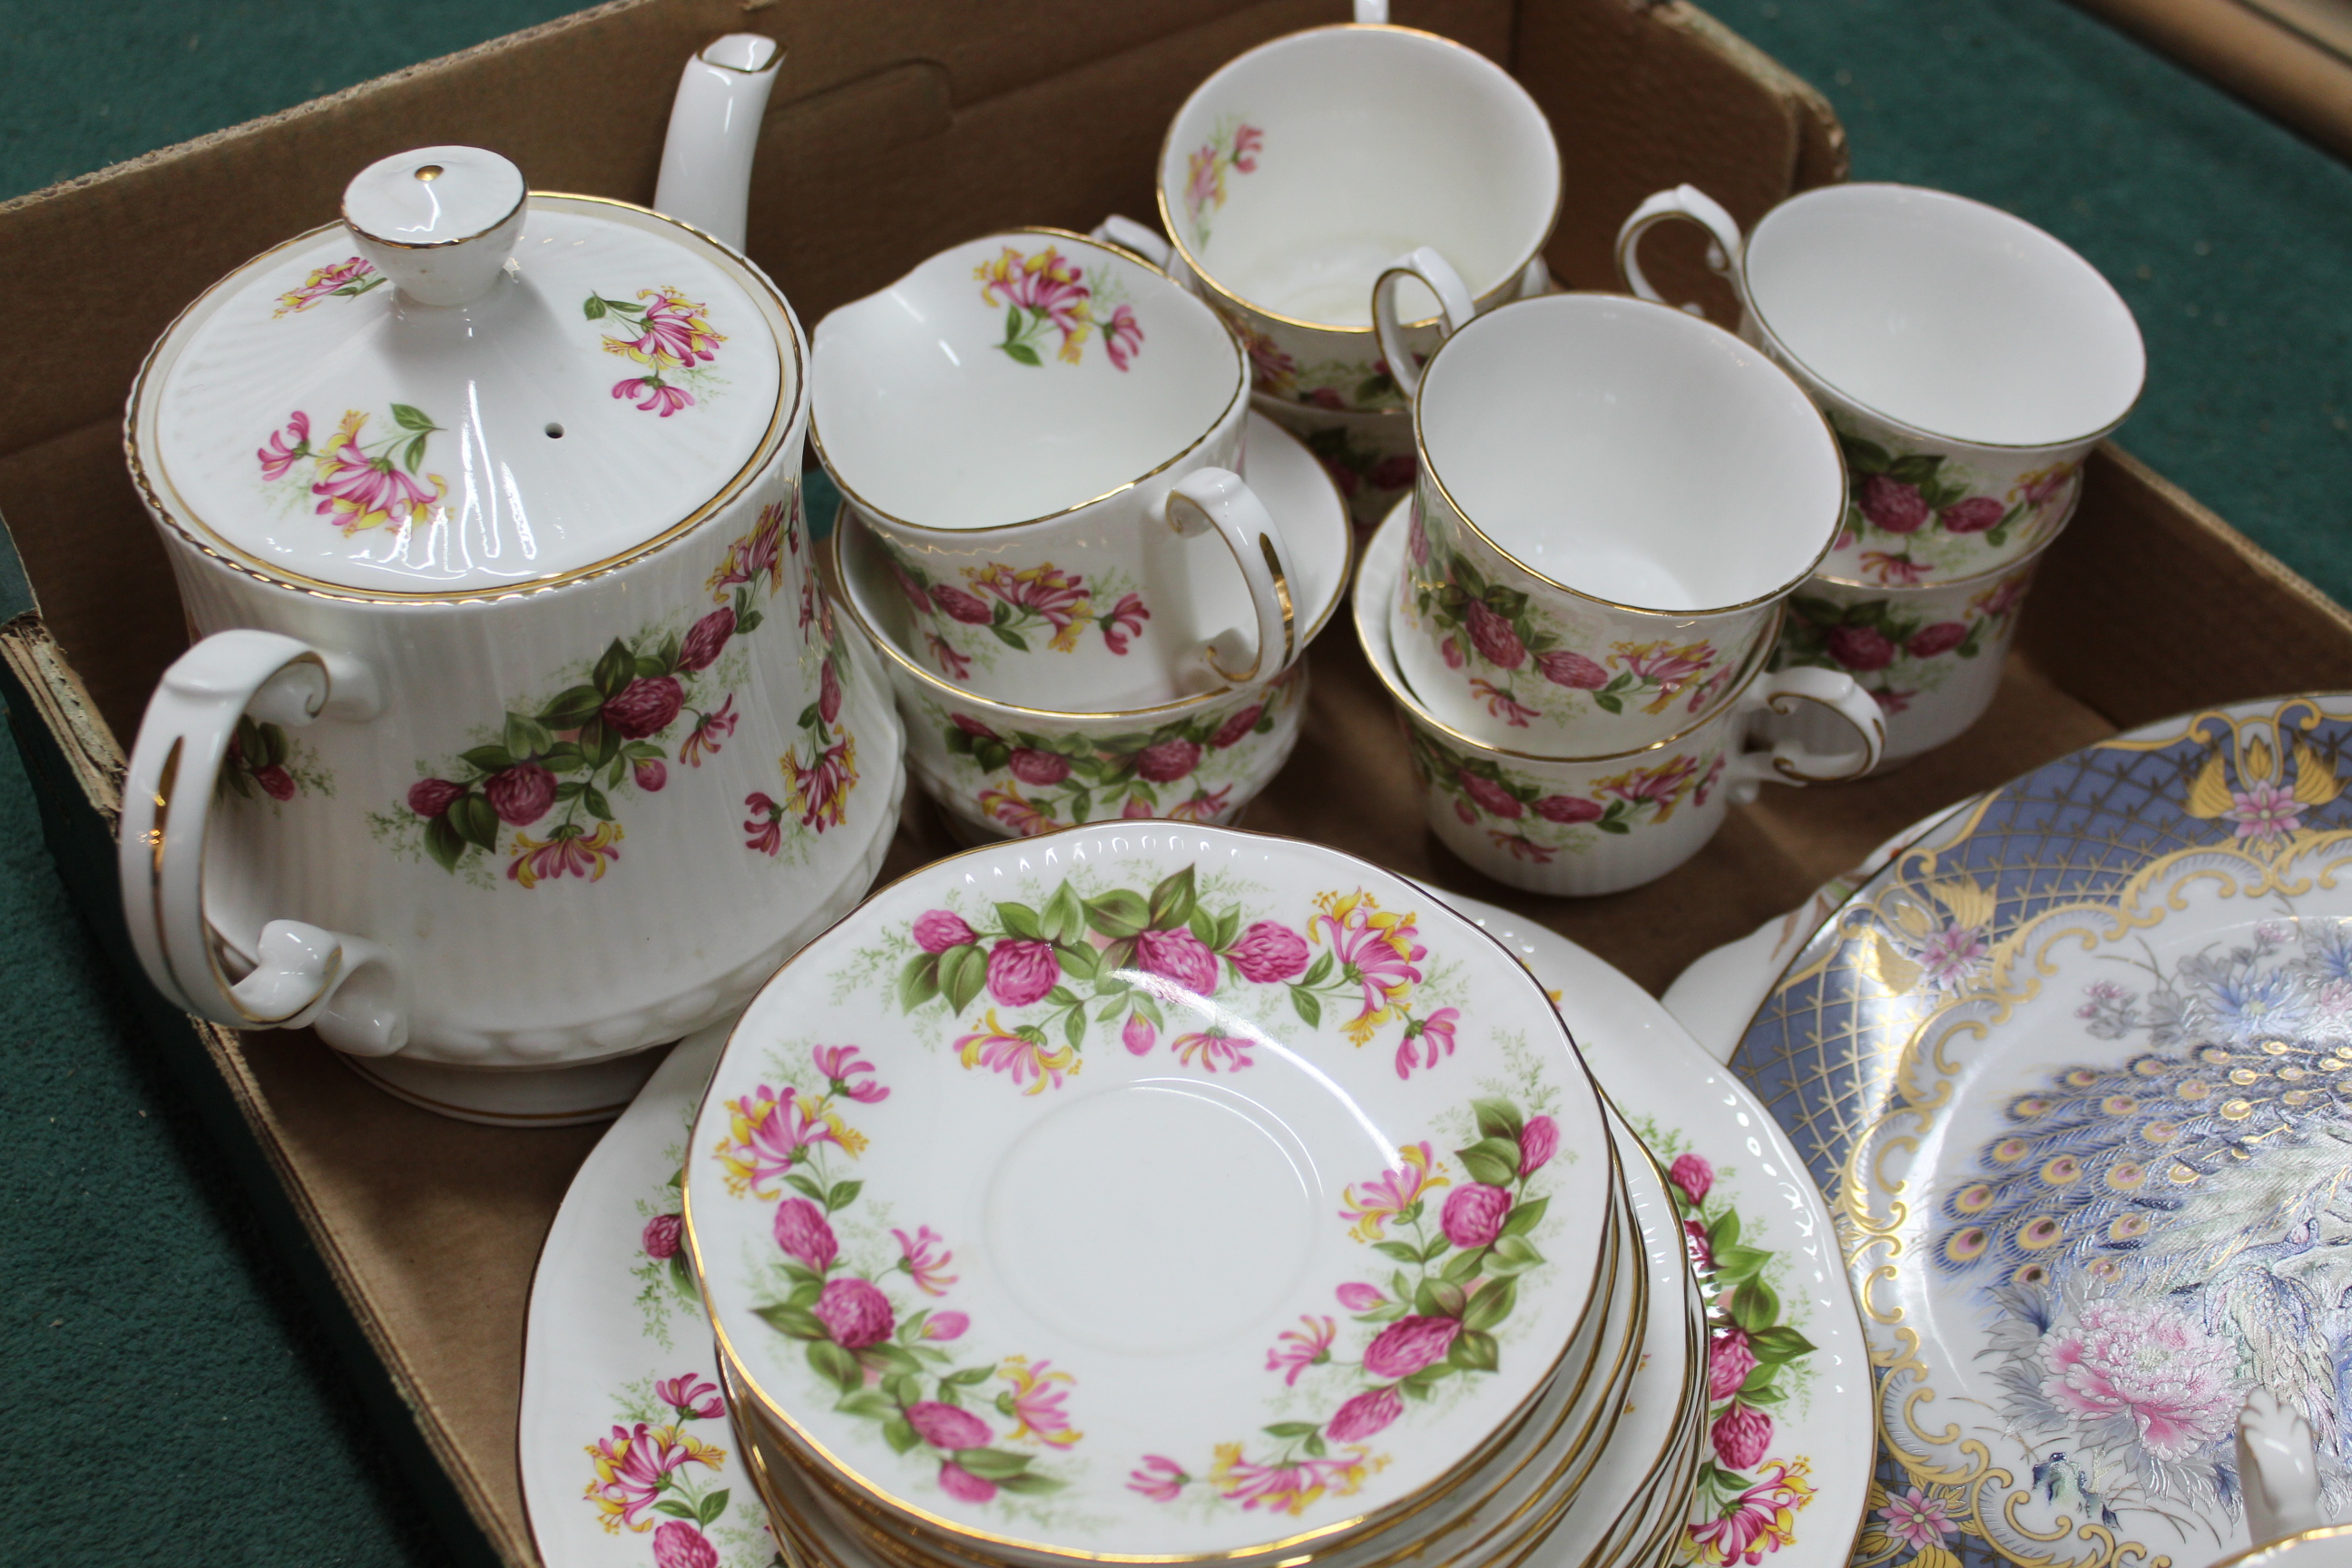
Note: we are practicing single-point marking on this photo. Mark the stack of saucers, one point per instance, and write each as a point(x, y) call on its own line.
point(1152, 1193)
point(1091, 570)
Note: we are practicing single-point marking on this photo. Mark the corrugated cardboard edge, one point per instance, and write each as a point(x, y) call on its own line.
point(180, 151)
point(77, 768)
point(2264, 61)
point(1824, 156)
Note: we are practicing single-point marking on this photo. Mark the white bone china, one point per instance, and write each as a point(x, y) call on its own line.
point(1045, 431)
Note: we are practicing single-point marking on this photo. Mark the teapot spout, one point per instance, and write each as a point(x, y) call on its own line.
point(714, 129)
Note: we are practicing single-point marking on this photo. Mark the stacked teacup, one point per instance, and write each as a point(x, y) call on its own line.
point(1968, 363)
point(1575, 609)
point(1299, 171)
point(1092, 581)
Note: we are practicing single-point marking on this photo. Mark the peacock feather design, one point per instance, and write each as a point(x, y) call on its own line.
point(2158, 1237)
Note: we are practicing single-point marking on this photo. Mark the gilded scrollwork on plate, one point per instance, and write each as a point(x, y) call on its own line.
point(2075, 1071)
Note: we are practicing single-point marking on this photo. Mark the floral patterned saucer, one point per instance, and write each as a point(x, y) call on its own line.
point(2076, 1070)
point(624, 1443)
point(1618, 1513)
point(1787, 1460)
point(1007, 1190)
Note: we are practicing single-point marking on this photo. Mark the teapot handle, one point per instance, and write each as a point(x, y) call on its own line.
point(354, 991)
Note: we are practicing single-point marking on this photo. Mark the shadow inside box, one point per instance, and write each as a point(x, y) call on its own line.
point(1349, 786)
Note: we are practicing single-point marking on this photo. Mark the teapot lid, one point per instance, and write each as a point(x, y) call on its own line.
point(464, 386)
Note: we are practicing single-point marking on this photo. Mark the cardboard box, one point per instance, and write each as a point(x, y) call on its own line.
point(900, 127)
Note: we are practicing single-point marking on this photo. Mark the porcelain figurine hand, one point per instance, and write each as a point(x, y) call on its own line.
point(2277, 1468)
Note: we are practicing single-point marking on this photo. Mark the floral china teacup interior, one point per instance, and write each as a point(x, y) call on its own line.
point(1016, 377)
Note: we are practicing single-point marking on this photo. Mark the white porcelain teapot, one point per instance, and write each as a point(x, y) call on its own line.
point(521, 734)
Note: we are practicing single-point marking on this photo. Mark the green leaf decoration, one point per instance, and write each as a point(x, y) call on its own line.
point(1286, 1430)
point(615, 668)
point(904, 1387)
point(1464, 1266)
point(408, 417)
point(1613, 704)
point(476, 823)
point(971, 1376)
point(444, 842)
point(964, 972)
point(901, 1435)
point(805, 1293)
point(1732, 1264)
point(1755, 1306)
point(1021, 920)
point(1229, 924)
point(1497, 1119)
point(1493, 1161)
point(1022, 353)
point(526, 736)
point(1514, 1255)
point(712, 1505)
point(1318, 972)
point(1473, 1349)
point(869, 1404)
point(575, 707)
point(1491, 1305)
point(1065, 918)
point(1308, 1007)
point(274, 749)
point(1173, 900)
point(918, 982)
point(1724, 1232)
point(992, 1464)
point(488, 759)
point(1029, 1481)
point(675, 1508)
point(832, 1362)
point(1402, 1251)
point(794, 1321)
point(1865, 456)
point(598, 807)
point(413, 455)
point(1918, 469)
point(1780, 1343)
point(843, 1193)
point(593, 309)
point(1119, 915)
point(1524, 1217)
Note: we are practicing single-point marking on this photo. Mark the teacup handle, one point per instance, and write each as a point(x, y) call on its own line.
point(1139, 237)
point(1219, 500)
point(1454, 309)
point(1793, 762)
point(1683, 202)
point(354, 991)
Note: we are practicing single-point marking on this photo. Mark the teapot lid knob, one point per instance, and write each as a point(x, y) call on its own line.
point(439, 222)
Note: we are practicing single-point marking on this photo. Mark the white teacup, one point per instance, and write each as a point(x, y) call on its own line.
point(1614, 501)
point(1967, 360)
point(1044, 430)
point(1930, 655)
point(1600, 824)
point(1303, 169)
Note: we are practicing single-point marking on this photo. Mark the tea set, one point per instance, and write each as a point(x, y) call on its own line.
point(545, 712)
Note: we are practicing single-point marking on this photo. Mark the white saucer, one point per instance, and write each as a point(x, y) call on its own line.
point(608, 1324)
point(1822, 1443)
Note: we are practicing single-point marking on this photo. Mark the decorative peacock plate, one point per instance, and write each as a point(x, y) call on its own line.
point(1149, 1190)
point(2076, 1072)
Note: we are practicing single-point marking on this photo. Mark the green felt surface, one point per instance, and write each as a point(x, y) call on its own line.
point(164, 1398)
